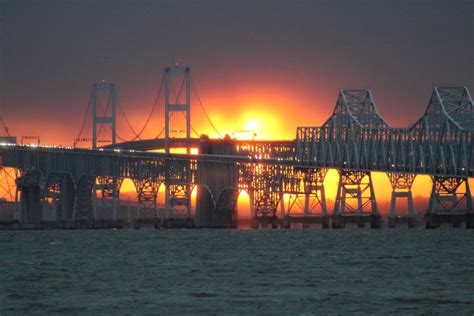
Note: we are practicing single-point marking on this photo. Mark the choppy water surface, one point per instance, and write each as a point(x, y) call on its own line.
point(237, 271)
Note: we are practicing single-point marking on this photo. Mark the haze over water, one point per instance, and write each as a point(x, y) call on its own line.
point(401, 271)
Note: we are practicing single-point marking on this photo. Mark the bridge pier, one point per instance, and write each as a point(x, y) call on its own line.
point(147, 193)
point(109, 188)
point(253, 211)
point(315, 196)
point(309, 184)
point(265, 210)
point(178, 182)
point(284, 219)
point(266, 188)
point(84, 214)
point(401, 188)
point(59, 198)
point(216, 200)
point(178, 211)
point(30, 210)
point(352, 187)
point(449, 203)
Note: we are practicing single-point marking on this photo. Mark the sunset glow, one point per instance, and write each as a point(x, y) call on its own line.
point(258, 119)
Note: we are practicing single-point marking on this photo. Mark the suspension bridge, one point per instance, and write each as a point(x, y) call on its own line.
point(71, 186)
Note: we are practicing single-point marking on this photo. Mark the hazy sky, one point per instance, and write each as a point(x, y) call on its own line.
point(287, 58)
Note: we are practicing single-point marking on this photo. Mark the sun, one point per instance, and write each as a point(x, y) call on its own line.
point(252, 124)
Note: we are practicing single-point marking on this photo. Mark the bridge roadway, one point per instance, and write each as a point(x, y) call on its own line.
point(355, 140)
point(159, 143)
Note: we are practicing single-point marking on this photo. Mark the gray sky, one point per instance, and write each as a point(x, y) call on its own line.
point(298, 51)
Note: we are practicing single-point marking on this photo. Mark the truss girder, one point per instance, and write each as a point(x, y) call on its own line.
point(266, 150)
point(356, 137)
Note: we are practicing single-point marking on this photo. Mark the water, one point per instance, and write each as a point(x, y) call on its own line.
point(363, 271)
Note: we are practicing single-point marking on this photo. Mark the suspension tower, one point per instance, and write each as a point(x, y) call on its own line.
point(104, 119)
point(107, 186)
point(178, 175)
point(172, 105)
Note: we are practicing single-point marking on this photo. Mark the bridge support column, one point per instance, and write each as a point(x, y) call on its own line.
point(253, 212)
point(84, 213)
point(177, 72)
point(306, 210)
point(315, 196)
point(103, 118)
point(147, 212)
point(166, 212)
point(283, 219)
point(265, 209)
point(109, 188)
point(30, 211)
point(179, 206)
point(450, 202)
point(265, 181)
point(178, 188)
point(306, 185)
point(17, 212)
point(401, 188)
point(59, 197)
point(352, 188)
point(216, 202)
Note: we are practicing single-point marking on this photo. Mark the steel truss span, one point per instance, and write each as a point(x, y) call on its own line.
point(355, 140)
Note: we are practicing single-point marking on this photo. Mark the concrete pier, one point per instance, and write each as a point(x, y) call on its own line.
point(217, 186)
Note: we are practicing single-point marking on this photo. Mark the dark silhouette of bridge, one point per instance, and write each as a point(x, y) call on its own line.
point(355, 140)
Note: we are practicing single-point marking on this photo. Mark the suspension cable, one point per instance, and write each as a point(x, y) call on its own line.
point(84, 120)
point(120, 138)
point(128, 122)
point(161, 132)
point(4, 125)
point(203, 109)
point(192, 128)
point(138, 135)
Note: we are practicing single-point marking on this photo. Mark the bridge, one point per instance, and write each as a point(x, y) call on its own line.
point(63, 186)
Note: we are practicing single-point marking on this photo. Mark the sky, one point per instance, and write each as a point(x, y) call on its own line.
point(268, 66)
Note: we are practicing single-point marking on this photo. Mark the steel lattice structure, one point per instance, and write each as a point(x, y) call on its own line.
point(357, 137)
point(355, 140)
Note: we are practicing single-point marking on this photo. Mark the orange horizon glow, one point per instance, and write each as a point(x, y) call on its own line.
point(421, 191)
point(264, 114)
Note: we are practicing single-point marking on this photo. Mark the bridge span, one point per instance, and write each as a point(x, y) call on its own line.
point(355, 140)
point(159, 144)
